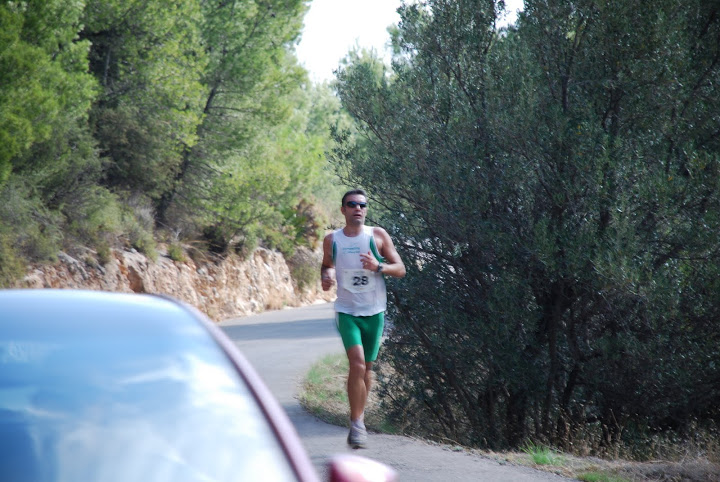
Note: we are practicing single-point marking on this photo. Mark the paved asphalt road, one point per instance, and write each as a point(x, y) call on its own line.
point(282, 345)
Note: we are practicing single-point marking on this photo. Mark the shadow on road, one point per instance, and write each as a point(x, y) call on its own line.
point(282, 330)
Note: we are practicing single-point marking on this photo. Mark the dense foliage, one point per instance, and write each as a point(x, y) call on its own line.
point(554, 191)
point(122, 121)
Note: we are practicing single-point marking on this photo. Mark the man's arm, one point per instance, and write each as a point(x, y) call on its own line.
point(327, 271)
point(393, 265)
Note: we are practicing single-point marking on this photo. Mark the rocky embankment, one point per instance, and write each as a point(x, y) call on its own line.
point(221, 289)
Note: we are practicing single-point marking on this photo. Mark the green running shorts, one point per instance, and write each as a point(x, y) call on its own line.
point(361, 330)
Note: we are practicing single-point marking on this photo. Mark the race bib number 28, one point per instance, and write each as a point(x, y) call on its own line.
point(358, 280)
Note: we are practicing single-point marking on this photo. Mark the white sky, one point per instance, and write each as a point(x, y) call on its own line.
point(333, 27)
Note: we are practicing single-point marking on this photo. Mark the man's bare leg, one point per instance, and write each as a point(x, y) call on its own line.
point(358, 382)
point(368, 382)
point(358, 387)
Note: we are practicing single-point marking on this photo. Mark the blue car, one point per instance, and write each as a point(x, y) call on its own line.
point(99, 386)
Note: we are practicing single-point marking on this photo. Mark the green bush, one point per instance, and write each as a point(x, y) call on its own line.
point(217, 238)
point(144, 242)
point(35, 230)
point(304, 268)
point(138, 224)
point(560, 241)
point(278, 241)
point(176, 252)
point(99, 215)
point(12, 266)
point(141, 239)
point(245, 246)
point(104, 254)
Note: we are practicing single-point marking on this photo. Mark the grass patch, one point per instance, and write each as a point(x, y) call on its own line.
point(542, 455)
point(322, 379)
point(324, 393)
point(601, 477)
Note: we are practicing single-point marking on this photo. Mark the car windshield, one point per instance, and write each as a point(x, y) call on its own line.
point(122, 392)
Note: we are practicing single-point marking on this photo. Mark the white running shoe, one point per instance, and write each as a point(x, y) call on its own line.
point(357, 438)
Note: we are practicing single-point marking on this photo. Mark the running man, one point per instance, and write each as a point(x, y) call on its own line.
point(360, 255)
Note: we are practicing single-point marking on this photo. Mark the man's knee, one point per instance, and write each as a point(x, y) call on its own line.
point(357, 367)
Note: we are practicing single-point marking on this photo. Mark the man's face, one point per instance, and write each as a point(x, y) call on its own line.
point(353, 211)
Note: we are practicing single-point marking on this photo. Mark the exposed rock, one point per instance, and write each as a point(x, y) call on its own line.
point(219, 288)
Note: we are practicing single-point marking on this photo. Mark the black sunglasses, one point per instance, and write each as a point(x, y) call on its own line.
point(352, 204)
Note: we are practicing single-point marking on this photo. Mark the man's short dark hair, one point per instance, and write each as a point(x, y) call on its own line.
point(350, 193)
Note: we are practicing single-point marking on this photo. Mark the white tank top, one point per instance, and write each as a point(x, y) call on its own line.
point(360, 292)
